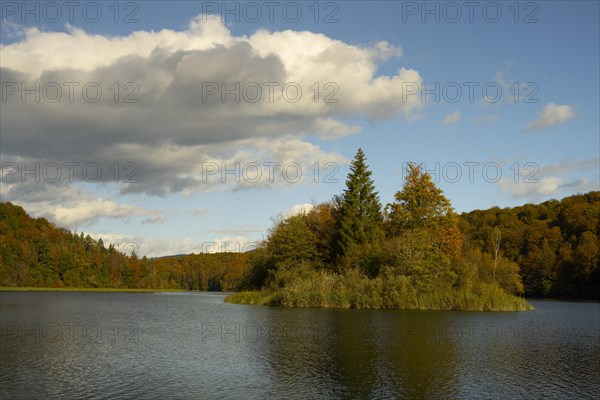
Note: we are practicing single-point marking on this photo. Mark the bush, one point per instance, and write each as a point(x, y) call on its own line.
point(388, 291)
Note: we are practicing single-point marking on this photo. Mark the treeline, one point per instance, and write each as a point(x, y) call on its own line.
point(352, 252)
point(556, 243)
point(36, 253)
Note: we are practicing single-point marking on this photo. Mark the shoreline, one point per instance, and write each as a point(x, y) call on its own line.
point(76, 289)
point(272, 299)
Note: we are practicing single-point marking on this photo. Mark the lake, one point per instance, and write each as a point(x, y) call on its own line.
point(193, 345)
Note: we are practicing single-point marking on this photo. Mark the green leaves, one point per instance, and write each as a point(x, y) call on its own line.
point(359, 213)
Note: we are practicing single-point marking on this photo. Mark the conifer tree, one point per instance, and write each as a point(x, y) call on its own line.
point(359, 210)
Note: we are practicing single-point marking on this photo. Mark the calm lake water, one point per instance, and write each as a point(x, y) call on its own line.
point(194, 346)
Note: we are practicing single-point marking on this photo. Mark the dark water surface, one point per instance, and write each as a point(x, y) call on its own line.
point(194, 346)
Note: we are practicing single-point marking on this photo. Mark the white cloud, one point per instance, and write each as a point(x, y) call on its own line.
point(296, 209)
point(537, 182)
point(384, 51)
point(550, 116)
point(550, 187)
point(299, 209)
point(569, 164)
point(230, 244)
point(73, 207)
point(542, 188)
point(149, 247)
point(331, 129)
point(153, 247)
point(240, 231)
point(176, 126)
point(451, 119)
point(42, 51)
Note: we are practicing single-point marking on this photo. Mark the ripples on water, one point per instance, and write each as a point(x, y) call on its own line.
point(192, 345)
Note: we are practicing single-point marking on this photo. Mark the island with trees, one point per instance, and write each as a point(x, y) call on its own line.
point(351, 252)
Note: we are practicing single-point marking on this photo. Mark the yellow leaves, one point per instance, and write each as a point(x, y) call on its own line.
point(420, 203)
point(451, 241)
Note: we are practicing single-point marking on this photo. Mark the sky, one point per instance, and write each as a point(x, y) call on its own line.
point(190, 126)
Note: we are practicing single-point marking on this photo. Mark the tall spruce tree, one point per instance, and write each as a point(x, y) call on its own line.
point(359, 210)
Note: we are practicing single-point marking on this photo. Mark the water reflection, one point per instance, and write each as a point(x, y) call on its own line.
point(360, 354)
point(192, 345)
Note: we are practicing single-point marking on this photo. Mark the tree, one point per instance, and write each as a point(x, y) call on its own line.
point(496, 238)
point(418, 255)
point(420, 203)
point(291, 241)
point(359, 213)
point(587, 254)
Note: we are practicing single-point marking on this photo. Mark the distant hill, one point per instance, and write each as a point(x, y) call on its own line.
point(556, 243)
point(34, 252)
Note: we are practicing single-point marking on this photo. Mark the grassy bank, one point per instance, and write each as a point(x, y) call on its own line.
point(259, 297)
point(76, 289)
point(332, 291)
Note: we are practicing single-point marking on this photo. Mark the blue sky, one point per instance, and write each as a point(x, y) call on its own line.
point(534, 138)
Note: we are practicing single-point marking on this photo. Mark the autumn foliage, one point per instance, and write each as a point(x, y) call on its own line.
point(416, 246)
point(34, 252)
point(418, 253)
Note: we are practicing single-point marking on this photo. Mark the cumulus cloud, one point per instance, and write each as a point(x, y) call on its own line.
point(537, 182)
point(299, 209)
point(546, 187)
point(167, 102)
point(230, 244)
point(240, 231)
point(550, 116)
point(451, 119)
point(569, 165)
point(296, 209)
point(384, 50)
point(149, 247)
point(73, 207)
point(153, 247)
point(542, 188)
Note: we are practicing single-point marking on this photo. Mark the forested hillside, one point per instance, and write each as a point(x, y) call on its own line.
point(417, 253)
point(556, 243)
point(550, 249)
point(352, 252)
point(34, 252)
